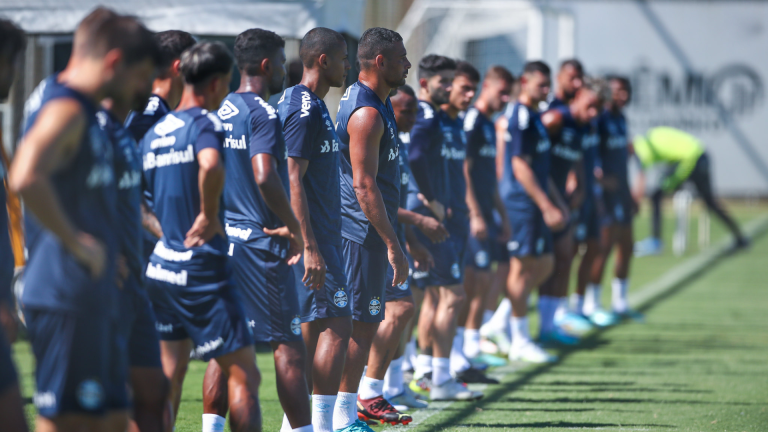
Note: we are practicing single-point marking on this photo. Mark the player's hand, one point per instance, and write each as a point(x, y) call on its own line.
point(477, 227)
point(8, 321)
point(577, 199)
point(91, 253)
point(434, 230)
point(437, 209)
point(314, 268)
point(554, 217)
point(203, 230)
point(122, 271)
point(422, 259)
point(295, 242)
point(506, 231)
point(399, 264)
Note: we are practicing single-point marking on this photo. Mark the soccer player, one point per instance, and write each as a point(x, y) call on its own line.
point(264, 235)
point(168, 84)
point(11, 407)
point(486, 238)
point(533, 205)
point(198, 309)
point(689, 162)
point(313, 169)
point(63, 170)
point(370, 191)
point(619, 206)
point(566, 126)
point(569, 78)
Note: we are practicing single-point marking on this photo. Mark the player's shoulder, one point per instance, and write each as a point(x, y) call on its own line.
point(427, 113)
point(300, 99)
point(520, 116)
point(156, 107)
point(472, 119)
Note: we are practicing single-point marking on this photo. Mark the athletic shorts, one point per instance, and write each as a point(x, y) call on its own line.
point(202, 305)
point(76, 369)
point(448, 268)
point(143, 340)
point(367, 278)
point(458, 228)
point(482, 253)
point(587, 225)
point(618, 208)
point(330, 301)
point(268, 289)
point(402, 291)
point(530, 235)
point(8, 375)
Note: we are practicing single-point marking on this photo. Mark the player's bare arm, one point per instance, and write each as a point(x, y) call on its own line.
point(211, 183)
point(365, 131)
point(431, 227)
point(477, 226)
point(149, 221)
point(314, 264)
point(553, 216)
point(49, 146)
point(273, 192)
point(422, 259)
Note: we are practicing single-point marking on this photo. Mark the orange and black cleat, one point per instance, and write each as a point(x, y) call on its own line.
point(378, 409)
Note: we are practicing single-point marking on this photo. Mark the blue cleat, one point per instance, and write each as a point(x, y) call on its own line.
point(558, 337)
point(648, 246)
point(574, 324)
point(490, 360)
point(603, 318)
point(357, 426)
point(630, 314)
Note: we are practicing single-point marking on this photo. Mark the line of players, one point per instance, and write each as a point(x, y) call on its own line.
point(224, 259)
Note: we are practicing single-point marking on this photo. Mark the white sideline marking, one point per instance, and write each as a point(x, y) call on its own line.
point(650, 290)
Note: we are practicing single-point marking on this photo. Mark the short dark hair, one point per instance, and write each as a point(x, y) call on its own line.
point(205, 60)
point(621, 79)
point(12, 40)
point(172, 43)
point(537, 66)
point(253, 46)
point(466, 69)
point(499, 72)
point(405, 88)
point(319, 40)
point(376, 41)
point(432, 64)
point(103, 30)
point(574, 63)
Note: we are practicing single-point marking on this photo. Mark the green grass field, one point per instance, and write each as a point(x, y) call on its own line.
point(697, 363)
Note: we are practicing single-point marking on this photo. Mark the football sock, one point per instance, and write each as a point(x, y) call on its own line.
point(322, 412)
point(345, 410)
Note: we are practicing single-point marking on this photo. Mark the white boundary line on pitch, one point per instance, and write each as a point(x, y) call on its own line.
point(667, 281)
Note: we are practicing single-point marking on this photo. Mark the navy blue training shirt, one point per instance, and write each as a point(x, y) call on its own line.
point(354, 224)
point(427, 157)
point(455, 152)
point(310, 135)
point(252, 127)
point(589, 144)
point(128, 175)
point(87, 192)
point(6, 251)
point(407, 187)
point(613, 146)
point(566, 148)
point(526, 137)
point(139, 123)
point(169, 152)
point(481, 149)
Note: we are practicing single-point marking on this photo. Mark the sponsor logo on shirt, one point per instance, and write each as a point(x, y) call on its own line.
point(170, 254)
point(235, 143)
point(152, 160)
point(488, 151)
point(565, 152)
point(100, 175)
point(169, 124)
point(157, 272)
point(227, 110)
point(271, 112)
point(543, 145)
point(163, 141)
point(420, 274)
point(45, 400)
point(163, 328)
point(333, 146)
point(394, 153)
point(242, 234)
point(451, 153)
point(209, 346)
point(129, 180)
point(305, 104)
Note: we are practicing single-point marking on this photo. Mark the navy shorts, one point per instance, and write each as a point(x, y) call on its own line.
point(8, 375)
point(458, 228)
point(530, 235)
point(481, 253)
point(367, 278)
point(330, 301)
point(143, 340)
point(268, 289)
point(402, 291)
point(618, 208)
point(587, 225)
point(200, 305)
point(76, 369)
point(448, 268)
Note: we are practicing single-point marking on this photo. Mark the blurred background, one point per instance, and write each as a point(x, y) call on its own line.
point(696, 65)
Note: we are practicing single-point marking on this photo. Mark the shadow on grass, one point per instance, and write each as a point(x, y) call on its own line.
point(557, 424)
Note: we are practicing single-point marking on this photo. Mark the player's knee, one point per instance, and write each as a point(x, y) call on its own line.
point(453, 296)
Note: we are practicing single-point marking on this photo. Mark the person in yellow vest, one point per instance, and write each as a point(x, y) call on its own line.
point(690, 163)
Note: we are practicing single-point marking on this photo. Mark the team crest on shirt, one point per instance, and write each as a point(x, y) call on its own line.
point(455, 271)
point(296, 325)
point(481, 259)
point(90, 394)
point(374, 307)
point(539, 246)
point(340, 299)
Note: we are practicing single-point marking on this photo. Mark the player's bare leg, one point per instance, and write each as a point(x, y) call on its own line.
point(152, 411)
point(525, 274)
point(12, 410)
point(175, 358)
point(553, 293)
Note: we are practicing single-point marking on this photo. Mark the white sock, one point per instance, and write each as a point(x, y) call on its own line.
point(286, 426)
point(345, 410)
point(423, 365)
point(360, 384)
point(546, 305)
point(213, 423)
point(561, 308)
point(520, 332)
point(592, 299)
point(619, 301)
point(307, 428)
point(409, 356)
point(498, 321)
point(441, 370)
point(487, 315)
point(471, 343)
point(393, 379)
point(322, 412)
point(459, 363)
point(577, 303)
point(370, 388)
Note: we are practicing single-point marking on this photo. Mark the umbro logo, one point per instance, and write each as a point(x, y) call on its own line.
point(228, 110)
